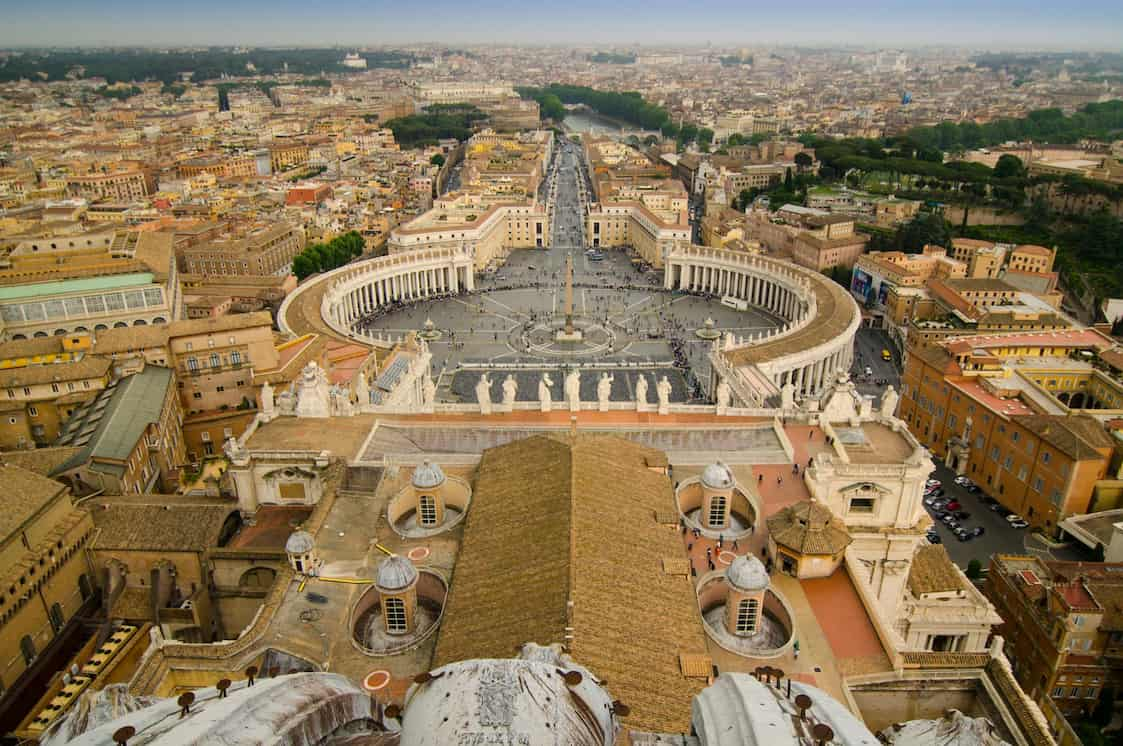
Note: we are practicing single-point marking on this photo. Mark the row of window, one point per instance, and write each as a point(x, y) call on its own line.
point(55, 388)
point(215, 361)
point(89, 305)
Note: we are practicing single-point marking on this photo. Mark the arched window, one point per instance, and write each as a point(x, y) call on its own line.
point(747, 612)
point(427, 509)
point(257, 577)
point(58, 621)
point(395, 615)
point(717, 510)
point(27, 647)
point(84, 587)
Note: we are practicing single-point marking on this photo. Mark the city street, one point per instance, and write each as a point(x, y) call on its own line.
point(868, 344)
point(999, 536)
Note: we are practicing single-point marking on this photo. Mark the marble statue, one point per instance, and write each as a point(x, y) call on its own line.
point(428, 390)
point(340, 401)
point(787, 396)
point(641, 393)
point(604, 391)
point(544, 396)
point(573, 390)
point(889, 402)
point(483, 394)
point(510, 391)
point(722, 395)
point(267, 400)
point(663, 389)
point(362, 390)
point(233, 449)
point(313, 397)
point(286, 402)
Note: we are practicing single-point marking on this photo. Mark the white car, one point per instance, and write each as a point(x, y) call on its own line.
point(932, 483)
point(1018, 524)
point(1014, 519)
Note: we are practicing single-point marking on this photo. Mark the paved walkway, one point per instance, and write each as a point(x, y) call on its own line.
point(839, 611)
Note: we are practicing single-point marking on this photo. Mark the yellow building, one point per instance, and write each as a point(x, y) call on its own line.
point(46, 578)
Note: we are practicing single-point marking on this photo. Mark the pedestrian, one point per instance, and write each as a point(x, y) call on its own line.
point(720, 540)
point(811, 435)
point(759, 478)
point(779, 479)
point(690, 547)
point(709, 552)
point(735, 543)
point(711, 565)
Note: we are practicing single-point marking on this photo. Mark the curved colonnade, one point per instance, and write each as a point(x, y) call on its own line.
point(349, 293)
point(808, 352)
point(814, 346)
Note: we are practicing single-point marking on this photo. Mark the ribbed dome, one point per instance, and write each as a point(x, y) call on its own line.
point(747, 573)
point(300, 542)
point(395, 573)
point(717, 476)
point(428, 476)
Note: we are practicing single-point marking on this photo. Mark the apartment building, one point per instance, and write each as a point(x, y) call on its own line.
point(132, 282)
point(127, 184)
point(284, 155)
point(876, 273)
point(1063, 626)
point(128, 437)
point(1004, 410)
point(254, 249)
point(489, 227)
point(46, 577)
point(43, 382)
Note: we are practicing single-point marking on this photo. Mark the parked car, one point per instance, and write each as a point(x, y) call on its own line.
point(1018, 524)
point(964, 535)
point(953, 505)
point(933, 483)
point(929, 500)
point(1003, 511)
point(962, 481)
point(934, 539)
point(978, 531)
point(936, 493)
point(962, 515)
point(989, 501)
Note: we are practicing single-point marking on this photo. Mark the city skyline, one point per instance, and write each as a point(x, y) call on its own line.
point(1022, 25)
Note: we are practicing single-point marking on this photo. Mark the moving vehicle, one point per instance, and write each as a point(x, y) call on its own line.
point(1018, 524)
point(954, 505)
point(886, 355)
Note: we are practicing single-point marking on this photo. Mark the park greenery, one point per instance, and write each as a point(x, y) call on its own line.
point(612, 58)
point(628, 107)
point(1096, 121)
point(321, 257)
point(435, 123)
point(137, 65)
point(120, 94)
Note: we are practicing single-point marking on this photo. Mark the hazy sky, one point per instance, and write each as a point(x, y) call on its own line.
point(994, 24)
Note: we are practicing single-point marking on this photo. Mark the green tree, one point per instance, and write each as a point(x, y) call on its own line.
point(803, 160)
point(437, 160)
point(974, 569)
point(303, 266)
point(705, 136)
point(927, 228)
point(788, 180)
point(1008, 167)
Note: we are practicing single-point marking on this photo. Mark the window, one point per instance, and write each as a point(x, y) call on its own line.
point(215, 360)
point(1038, 484)
point(1015, 436)
point(1009, 462)
point(427, 508)
point(994, 454)
point(227, 432)
point(747, 612)
point(717, 511)
point(1022, 473)
point(196, 394)
point(189, 347)
point(235, 358)
point(1045, 457)
point(205, 436)
point(862, 505)
point(27, 648)
point(54, 388)
point(33, 411)
point(395, 615)
point(192, 364)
